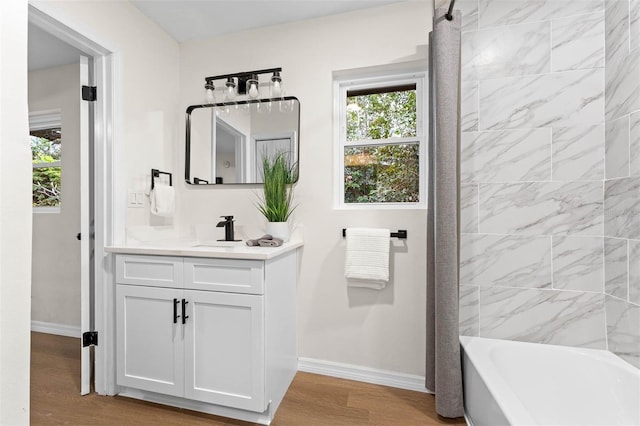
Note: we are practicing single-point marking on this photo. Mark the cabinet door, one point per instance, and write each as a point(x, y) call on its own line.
point(224, 349)
point(149, 344)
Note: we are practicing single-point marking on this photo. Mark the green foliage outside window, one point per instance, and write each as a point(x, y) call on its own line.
point(386, 173)
point(392, 175)
point(45, 148)
point(381, 115)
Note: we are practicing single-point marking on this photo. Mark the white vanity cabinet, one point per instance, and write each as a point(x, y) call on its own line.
point(216, 334)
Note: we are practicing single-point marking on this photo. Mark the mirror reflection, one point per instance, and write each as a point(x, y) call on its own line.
point(226, 143)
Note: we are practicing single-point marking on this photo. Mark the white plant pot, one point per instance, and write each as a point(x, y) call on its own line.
point(279, 230)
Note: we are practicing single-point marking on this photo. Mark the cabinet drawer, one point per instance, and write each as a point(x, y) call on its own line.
point(156, 271)
point(228, 275)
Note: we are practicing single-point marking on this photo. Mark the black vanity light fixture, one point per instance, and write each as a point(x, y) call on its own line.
point(243, 83)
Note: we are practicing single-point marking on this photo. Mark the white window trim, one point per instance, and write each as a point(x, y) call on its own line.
point(40, 120)
point(46, 209)
point(46, 165)
point(382, 79)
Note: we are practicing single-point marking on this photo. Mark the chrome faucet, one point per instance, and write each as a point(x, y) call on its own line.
point(228, 228)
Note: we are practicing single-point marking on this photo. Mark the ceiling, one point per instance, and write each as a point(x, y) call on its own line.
point(189, 19)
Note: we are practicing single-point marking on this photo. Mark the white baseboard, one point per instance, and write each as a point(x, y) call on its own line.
point(327, 368)
point(52, 328)
point(363, 374)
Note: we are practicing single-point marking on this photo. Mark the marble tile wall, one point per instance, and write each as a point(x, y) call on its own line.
point(533, 168)
point(622, 178)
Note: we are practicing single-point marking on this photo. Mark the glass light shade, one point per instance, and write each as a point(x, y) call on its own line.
point(252, 87)
point(276, 89)
point(209, 93)
point(276, 85)
point(230, 91)
point(208, 97)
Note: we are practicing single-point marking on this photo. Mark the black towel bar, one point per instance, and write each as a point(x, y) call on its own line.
point(401, 234)
point(156, 173)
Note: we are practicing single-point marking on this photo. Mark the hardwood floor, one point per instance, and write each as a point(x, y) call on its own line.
point(311, 399)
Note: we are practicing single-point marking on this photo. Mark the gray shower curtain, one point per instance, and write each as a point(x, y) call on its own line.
point(443, 369)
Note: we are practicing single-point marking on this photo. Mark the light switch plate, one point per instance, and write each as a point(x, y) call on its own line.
point(135, 199)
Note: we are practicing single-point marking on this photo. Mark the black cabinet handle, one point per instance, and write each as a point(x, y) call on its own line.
point(175, 311)
point(79, 236)
point(184, 311)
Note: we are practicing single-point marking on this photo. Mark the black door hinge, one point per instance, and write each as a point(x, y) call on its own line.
point(90, 338)
point(89, 93)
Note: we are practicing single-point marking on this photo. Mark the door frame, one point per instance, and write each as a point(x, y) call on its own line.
point(109, 210)
point(239, 139)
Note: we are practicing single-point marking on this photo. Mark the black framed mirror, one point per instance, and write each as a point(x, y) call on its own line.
point(226, 142)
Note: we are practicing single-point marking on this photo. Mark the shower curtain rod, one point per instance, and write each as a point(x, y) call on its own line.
point(449, 16)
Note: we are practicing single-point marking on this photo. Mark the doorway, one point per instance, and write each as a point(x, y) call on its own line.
point(228, 163)
point(85, 151)
point(54, 124)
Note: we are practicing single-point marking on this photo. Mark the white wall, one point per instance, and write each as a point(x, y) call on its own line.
point(147, 87)
point(15, 216)
point(376, 329)
point(55, 290)
point(383, 330)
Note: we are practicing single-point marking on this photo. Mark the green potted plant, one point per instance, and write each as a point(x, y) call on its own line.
point(276, 203)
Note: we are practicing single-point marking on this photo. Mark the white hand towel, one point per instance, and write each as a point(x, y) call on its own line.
point(367, 257)
point(162, 200)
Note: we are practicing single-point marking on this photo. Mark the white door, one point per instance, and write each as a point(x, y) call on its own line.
point(86, 247)
point(224, 349)
point(269, 147)
point(149, 338)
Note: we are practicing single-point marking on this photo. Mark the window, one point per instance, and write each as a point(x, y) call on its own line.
point(381, 154)
point(45, 135)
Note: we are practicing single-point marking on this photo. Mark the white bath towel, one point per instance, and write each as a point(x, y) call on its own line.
point(162, 200)
point(367, 257)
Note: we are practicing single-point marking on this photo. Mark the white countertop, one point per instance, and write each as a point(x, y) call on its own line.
point(224, 250)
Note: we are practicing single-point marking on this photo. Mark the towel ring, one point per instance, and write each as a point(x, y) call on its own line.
point(155, 173)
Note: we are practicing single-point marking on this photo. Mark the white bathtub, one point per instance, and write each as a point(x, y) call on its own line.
point(515, 383)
